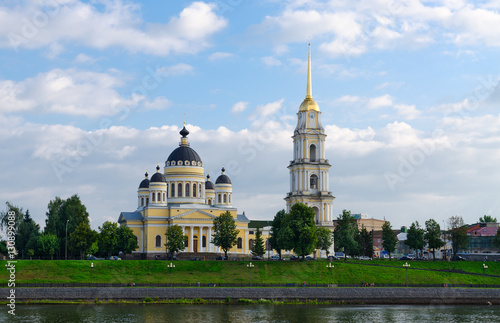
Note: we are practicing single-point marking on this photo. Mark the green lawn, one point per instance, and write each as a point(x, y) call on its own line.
point(268, 272)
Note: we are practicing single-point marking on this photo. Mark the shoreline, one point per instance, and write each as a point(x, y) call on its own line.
point(276, 296)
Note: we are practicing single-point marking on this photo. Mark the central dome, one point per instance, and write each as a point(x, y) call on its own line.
point(183, 155)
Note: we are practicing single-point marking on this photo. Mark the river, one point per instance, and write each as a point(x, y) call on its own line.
point(250, 313)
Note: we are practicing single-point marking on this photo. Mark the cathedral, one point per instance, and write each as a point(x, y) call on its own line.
point(182, 194)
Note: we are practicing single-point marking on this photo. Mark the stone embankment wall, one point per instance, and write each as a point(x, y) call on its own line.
point(366, 295)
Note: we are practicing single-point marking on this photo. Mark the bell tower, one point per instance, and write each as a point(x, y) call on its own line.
point(309, 168)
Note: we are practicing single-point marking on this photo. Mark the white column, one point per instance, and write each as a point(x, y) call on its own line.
point(246, 249)
point(209, 238)
point(190, 239)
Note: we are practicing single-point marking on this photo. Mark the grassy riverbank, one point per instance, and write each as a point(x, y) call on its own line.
point(264, 272)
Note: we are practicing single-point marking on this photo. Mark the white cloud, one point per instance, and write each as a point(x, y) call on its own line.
point(239, 107)
point(70, 91)
point(271, 61)
point(354, 28)
point(159, 103)
point(175, 70)
point(380, 102)
point(220, 55)
point(117, 25)
point(409, 112)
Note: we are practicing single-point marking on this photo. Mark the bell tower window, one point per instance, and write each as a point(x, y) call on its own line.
point(312, 153)
point(179, 190)
point(314, 182)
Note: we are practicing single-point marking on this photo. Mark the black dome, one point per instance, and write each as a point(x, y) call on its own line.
point(145, 182)
point(223, 179)
point(209, 185)
point(184, 153)
point(158, 177)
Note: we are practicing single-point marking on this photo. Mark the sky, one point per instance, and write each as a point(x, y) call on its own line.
point(94, 93)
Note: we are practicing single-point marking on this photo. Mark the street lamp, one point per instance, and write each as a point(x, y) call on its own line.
point(91, 267)
point(330, 266)
point(66, 249)
point(171, 265)
point(484, 268)
point(250, 266)
point(406, 265)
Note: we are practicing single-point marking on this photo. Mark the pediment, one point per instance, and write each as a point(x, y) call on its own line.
point(195, 214)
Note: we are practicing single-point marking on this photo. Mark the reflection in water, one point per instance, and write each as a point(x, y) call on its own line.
point(250, 313)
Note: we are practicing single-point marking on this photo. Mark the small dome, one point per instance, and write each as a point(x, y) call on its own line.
point(158, 177)
point(223, 178)
point(145, 182)
point(184, 132)
point(208, 184)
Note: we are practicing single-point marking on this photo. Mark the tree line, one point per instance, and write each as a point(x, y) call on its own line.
point(67, 228)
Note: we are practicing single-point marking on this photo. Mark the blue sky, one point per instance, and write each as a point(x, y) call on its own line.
point(92, 93)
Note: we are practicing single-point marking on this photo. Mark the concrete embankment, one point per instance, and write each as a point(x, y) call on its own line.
point(346, 295)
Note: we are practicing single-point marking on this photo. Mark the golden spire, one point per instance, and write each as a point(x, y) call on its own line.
point(309, 90)
point(309, 103)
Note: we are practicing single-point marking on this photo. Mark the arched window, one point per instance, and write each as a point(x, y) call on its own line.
point(158, 241)
point(219, 198)
point(225, 199)
point(147, 201)
point(153, 197)
point(186, 194)
point(136, 240)
point(142, 201)
point(159, 197)
point(204, 241)
point(164, 197)
point(267, 244)
point(312, 153)
point(209, 202)
point(186, 241)
point(250, 244)
point(173, 190)
point(314, 181)
point(194, 190)
point(229, 198)
point(179, 190)
point(240, 243)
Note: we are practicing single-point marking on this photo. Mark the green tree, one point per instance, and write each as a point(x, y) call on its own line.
point(82, 239)
point(27, 235)
point(58, 213)
point(365, 242)
point(487, 218)
point(433, 236)
point(275, 240)
point(415, 237)
point(389, 239)
point(225, 233)
point(258, 248)
point(107, 238)
point(458, 234)
point(324, 239)
point(3, 248)
point(298, 232)
point(4, 216)
point(175, 239)
point(345, 234)
point(126, 240)
point(496, 240)
point(47, 245)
